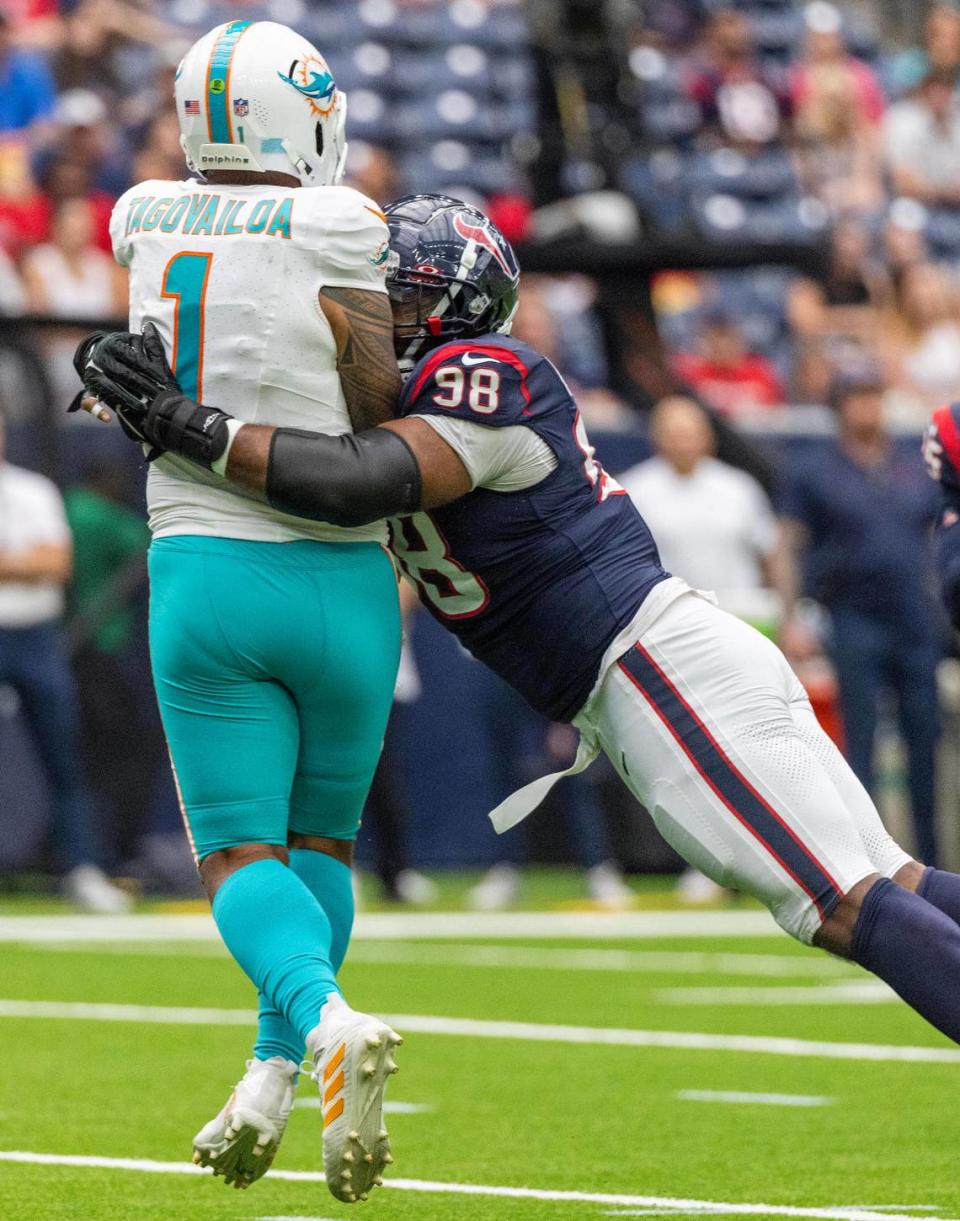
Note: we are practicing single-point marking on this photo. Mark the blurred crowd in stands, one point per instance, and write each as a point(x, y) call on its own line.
point(821, 143)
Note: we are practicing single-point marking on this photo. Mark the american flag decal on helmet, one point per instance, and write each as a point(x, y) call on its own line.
point(192, 108)
point(482, 236)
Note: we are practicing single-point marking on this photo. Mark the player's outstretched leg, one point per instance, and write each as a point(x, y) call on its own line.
point(938, 887)
point(905, 941)
point(242, 1140)
point(699, 720)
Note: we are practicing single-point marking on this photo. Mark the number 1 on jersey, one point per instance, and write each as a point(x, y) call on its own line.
point(185, 281)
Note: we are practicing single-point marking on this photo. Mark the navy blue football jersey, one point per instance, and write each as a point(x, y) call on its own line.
point(535, 583)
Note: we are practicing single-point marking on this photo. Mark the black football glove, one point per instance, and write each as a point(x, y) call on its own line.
point(130, 374)
point(124, 373)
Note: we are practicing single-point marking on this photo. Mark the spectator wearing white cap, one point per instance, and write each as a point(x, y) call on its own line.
point(35, 562)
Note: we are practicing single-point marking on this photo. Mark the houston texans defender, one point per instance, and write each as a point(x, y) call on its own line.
point(520, 544)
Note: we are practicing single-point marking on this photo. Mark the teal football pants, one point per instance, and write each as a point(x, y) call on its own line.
point(274, 665)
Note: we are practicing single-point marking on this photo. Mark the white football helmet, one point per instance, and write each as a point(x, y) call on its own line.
point(255, 95)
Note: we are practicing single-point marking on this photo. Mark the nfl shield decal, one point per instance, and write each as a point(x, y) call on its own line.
point(241, 107)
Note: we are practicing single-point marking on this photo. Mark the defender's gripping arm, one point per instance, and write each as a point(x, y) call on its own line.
point(345, 480)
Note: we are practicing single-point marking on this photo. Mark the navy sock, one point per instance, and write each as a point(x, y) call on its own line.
point(942, 889)
point(915, 948)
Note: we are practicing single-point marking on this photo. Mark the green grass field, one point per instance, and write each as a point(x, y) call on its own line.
point(566, 1113)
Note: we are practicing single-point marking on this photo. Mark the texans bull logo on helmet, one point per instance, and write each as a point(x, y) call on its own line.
point(480, 234)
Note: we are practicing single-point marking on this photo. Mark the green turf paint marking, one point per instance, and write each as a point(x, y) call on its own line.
point(770, 1100)
point(426, 1186)
point(471, 1028)
point(857, 992)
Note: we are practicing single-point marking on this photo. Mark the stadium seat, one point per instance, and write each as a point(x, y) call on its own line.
point(654, 181)
point(464, 21)
point(677, 120)
point(768, 175)
point(450, 164)
point(726, 218)
point(776, 31)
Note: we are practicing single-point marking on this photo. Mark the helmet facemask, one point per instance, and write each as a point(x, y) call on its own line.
point(430, 309)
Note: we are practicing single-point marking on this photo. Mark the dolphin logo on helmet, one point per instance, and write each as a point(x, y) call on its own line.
point(316, 82)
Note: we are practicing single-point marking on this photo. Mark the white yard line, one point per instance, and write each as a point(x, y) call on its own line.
point(313, 1102)
point(664, 962)
point(398, 953)
point(597, 1036)
point(768, 1100)
point(148, 1166)
point(407, 926)
point(856, 992)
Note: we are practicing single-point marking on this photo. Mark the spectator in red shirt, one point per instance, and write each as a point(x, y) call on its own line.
point(828, 65)
point(726, 374)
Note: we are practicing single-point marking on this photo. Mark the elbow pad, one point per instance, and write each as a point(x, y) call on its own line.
point(347, 480)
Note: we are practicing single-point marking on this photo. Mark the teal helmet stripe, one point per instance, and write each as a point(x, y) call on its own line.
point(218, 74)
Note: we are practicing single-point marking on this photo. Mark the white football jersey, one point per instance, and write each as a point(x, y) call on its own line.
point(231, 276)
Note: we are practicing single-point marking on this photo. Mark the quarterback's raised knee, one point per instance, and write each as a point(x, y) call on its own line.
point(836, 934)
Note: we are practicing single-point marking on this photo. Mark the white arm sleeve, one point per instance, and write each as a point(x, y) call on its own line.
point(507, 459)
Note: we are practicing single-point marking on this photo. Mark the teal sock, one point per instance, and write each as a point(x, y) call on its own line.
point(281, 937)
point(331, 884)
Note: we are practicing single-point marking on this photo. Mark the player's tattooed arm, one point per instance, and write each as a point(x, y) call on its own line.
point(362, 325)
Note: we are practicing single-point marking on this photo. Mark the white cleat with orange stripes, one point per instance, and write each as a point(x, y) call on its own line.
point(353, 1057)
point(241, 1142)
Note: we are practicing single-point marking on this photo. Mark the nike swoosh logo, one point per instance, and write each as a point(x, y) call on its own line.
point(479, 360)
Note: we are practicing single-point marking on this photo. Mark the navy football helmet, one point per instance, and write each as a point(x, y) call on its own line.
point(451, 274)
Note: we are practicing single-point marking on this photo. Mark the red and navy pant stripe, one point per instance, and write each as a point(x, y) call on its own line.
point(727, 782)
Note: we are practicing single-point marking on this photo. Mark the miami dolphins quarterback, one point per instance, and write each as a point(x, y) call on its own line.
point(274, 641)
